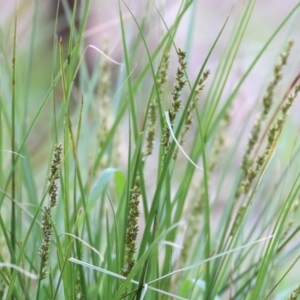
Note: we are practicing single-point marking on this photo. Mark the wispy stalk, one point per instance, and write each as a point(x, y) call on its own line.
point(13, 145)
point(195, 209)
point(162, 76)
point(247, 161)
point(102, 95)
point(188, 118)
point(176, 103)
point(273, 137)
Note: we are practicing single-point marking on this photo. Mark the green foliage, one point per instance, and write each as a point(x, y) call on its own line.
point(137, 178)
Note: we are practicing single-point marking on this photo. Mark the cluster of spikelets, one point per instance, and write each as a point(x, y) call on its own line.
point(273, 135)
point(152, 115)
point(176, 102)
point(132, 220)
point(249, 170)
point(253, 167)
point(46, 225)
point(131, 230)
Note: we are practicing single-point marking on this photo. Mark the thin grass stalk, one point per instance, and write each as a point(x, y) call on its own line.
point(289, 90)
point(206, 198)
point(55, 58)
point(64, 260)
point(296, 292)
point(108, 287)
point(272, 141)
point(172, 147)
point(157, 91)
point(29, 66)
point(278, 229)
point(122, 110)
point(70, 58)
point(1, 147)
point(128, 71)
point(115, 237)
point(168, 38)
point(196, 149)
point(12, 285)
point(229, 60)
point(13, 144)
point(36, 116)
point(230, 99)
point(141, 261)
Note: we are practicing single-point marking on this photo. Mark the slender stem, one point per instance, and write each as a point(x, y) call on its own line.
point(13, 147)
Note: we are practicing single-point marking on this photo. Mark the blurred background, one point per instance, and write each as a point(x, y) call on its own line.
point(207, 18)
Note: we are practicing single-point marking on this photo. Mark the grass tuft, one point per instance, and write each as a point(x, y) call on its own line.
point(174, 178)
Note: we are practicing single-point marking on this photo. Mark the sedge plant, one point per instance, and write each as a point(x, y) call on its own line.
point(150, 173)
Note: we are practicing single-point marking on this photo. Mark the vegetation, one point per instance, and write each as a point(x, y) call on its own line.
point(148, 176)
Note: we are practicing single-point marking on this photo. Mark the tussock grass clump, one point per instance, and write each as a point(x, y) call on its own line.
point(198, 216)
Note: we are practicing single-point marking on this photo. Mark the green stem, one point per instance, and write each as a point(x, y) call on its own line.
point(13, 147)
